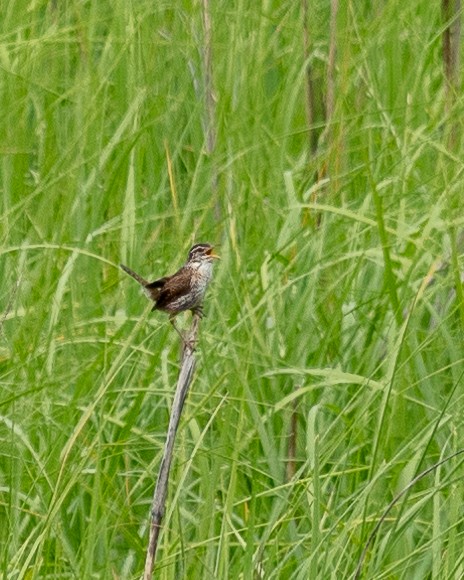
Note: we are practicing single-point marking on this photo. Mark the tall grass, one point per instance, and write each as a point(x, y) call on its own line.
point(338, 294)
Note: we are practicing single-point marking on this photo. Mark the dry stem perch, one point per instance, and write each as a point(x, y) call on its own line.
point(184, 290)
point(159, 497)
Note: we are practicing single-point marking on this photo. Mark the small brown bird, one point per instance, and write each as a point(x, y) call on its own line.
point(185, 289)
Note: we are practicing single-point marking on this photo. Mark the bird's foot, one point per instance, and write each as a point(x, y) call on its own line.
point(198, 311)
point(189, 344)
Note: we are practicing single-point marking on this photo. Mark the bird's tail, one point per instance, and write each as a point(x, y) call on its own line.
point(134, 275)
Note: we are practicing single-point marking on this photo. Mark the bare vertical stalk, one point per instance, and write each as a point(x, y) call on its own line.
point(172, 185)
point(326, 136)
point(309, 84)
point(161, 489)
point(210, 106)
point(451, 44)
point(451, 10)
point(330, 79)
point(210, 101)
point(330, 100)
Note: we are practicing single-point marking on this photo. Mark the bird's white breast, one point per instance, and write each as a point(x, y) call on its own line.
point(204, 271)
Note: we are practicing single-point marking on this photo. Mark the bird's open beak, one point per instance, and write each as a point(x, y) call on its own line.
point(211, 254)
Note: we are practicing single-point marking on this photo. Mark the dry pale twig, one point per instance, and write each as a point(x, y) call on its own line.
point(159, 496)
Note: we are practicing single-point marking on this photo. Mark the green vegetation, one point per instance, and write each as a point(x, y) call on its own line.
point(337, 302)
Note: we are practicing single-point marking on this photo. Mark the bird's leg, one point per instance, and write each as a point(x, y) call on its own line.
point(189, 342)
point(186, 341)
point(176, 328)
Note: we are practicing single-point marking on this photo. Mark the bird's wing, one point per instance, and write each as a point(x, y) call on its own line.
point(173, 286)
point(161, 282)
point(157, 283)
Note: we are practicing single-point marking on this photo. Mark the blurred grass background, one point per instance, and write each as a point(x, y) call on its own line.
point(321, 150)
